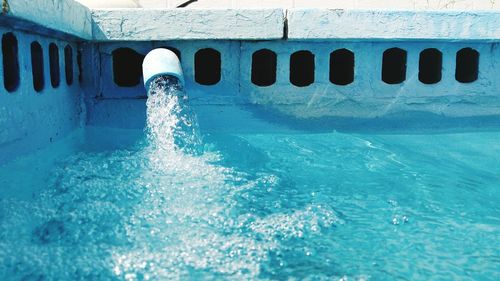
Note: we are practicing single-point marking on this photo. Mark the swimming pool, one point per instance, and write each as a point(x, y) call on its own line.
point(331, 144)
point(297, 205)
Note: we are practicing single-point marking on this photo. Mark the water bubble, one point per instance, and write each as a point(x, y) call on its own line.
point(393, 203)
point(171, 124)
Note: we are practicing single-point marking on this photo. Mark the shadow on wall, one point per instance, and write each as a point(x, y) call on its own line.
point(409, 122)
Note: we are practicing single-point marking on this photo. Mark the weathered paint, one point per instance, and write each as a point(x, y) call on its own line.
point(186, 24)
point(30, 120)
point(330, 4)
point(321, 24)
point(66, 16)
point(367, 97)
point(256, 24)
point(96, 4)
point(302, 24)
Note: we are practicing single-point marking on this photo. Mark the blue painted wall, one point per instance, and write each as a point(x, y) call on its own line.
point(30, 120)
point(368, 97)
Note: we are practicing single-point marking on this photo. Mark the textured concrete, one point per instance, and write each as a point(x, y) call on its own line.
point(223, 92)
point(97, 4)
point(329, 4)
point(302, 24)
point(367, 97)
point(319, 24)
point(31, 120)
point(172, 24)
point(66, 16)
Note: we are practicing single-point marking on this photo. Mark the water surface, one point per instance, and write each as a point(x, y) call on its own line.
point(106, 205)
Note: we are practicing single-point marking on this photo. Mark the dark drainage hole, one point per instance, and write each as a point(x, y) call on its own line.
point(55, 75)
point(68, 64)
point(467, 65)
point(37, 66)
point(264, 67)
point(302, 68)
point(394, 66)
point(342, 67)
point(10, 62)
point(430, 66)
point(207, 66)
point(127, 67)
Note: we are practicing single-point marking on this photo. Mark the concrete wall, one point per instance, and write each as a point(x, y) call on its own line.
point(31, 120)
point(66, 17)
point(335, 4)
point(172, 24)
point(320, 24)
point(293, 24)
point(367, 97)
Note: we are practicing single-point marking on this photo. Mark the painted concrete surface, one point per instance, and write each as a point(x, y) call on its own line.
point(30, 120)
point(319, 24)
point(330, 4)
point(301, 24)
point(97, 4)
point(222, 92)
point(172, 24)
point(239, 21)
point(66, 16)
point(367, 97)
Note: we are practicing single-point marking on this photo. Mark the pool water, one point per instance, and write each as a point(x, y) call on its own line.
point(105, 205)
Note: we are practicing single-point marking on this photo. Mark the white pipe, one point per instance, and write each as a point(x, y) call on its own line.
point(161, 62)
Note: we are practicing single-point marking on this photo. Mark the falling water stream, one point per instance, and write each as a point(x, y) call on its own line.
point(171, 124)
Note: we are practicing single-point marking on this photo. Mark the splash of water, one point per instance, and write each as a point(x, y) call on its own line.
point(165, 210)
point(171, 124)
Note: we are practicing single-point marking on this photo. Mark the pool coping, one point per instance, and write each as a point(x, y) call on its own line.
point(58, 18)
point(312, 24)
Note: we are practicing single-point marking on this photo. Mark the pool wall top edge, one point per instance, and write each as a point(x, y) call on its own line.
point(67, 17)
point(318, 24)
point(293, 24)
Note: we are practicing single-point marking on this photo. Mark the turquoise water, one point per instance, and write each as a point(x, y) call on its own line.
point(104, 205)
point(178, 203)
